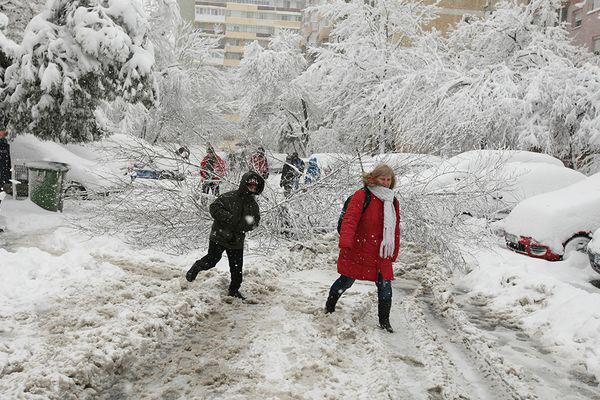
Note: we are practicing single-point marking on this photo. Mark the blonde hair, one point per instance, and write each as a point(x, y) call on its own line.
point(369, 179)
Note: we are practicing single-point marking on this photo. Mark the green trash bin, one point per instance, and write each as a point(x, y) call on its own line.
point(46, 180)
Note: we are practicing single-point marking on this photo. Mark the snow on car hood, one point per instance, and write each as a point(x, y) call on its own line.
point(90, 173)
point(553, 218)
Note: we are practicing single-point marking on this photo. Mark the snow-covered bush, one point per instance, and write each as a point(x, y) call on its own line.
point(73, 55)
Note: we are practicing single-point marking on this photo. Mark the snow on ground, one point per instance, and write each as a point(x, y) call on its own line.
point(550, 303)
point(84, 318)
point(93, 318)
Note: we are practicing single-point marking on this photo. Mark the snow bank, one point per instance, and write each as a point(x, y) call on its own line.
point(553, 301)
point(553, 218)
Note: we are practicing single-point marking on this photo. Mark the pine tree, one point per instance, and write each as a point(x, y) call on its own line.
point(73, 55)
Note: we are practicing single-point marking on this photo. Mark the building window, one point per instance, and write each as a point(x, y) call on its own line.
point(596, 45)
point(577, 18)
point(233, 56)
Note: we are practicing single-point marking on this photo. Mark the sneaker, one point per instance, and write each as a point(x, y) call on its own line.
point(236, 294)
point(193, 272)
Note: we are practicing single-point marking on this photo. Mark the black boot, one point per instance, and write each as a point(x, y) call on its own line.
point(236, 294)
point(331, 301)
point(383, 309)
point(193, 272)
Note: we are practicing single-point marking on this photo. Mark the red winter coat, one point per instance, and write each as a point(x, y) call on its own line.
point(260, 165)
point(360, 238)
point(212, 168)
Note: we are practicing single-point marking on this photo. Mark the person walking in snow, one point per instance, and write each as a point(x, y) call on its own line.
point(369, 241)
point(288, 174)
point(212, 170)
point(299, 164)
point(234, 213)
point(259, 164)
point(313, 172)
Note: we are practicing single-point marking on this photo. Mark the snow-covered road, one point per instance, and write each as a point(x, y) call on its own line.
point(92, 318)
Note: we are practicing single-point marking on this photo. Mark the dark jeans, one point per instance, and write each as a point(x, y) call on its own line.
point(236, 261)
point(343, 283)
point(208, 187)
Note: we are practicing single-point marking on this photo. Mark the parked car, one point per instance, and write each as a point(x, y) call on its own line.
point(593, 250)
point(85, 176)
point(502, 178)
point(146, 172)
point(553, 225)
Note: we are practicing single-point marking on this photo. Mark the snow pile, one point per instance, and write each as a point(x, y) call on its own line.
point(553, 302)
point(553, 218)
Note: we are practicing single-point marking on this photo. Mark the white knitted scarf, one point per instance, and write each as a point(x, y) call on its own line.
point(389, 219)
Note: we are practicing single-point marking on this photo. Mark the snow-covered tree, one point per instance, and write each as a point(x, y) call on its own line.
point(19, 14)
point(274, 105)
point(356, 76)
point(192, 101)
point(511, 80)
point(73, 55)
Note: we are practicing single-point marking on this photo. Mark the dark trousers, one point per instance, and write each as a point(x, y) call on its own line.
point(211, 186)
point(343, 283)
point(236, 261)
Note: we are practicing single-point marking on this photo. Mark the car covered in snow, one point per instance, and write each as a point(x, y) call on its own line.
point(86, 175)
point(554, 224)
point(593, 250)
point(502, 178)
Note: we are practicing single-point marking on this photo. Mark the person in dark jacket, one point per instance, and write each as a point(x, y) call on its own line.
point(288, 172)
point(370, 241)
point(234, 213)
point(5, 163)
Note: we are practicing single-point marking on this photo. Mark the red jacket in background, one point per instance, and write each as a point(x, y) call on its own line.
point(360, 238)
point(260, 165)
point(212, 167)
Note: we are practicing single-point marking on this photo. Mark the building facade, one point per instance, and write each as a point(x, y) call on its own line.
point(583, 22)
point(186, 8)
point(316, 31)
point(240, 22)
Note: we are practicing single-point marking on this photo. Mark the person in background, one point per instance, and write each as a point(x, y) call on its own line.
point(370, 241)
point(288, 174)
point(259, 164)
point(212, 170)
point(313, 172)
point(234, 213)
point(184, 153)
point(299, 165)
point(5, 167)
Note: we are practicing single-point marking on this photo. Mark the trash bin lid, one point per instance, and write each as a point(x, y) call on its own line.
point(48, 165)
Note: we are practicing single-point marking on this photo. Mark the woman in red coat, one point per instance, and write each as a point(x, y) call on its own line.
point(369, 241)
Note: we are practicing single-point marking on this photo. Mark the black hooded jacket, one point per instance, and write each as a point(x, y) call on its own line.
point(4, 162)
point(236, 213)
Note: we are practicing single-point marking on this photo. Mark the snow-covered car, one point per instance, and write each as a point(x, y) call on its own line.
point(143, 172)
point(505, 176)
point(86, 176)
point(552, 225)
point(593, 250)
point(406, 163)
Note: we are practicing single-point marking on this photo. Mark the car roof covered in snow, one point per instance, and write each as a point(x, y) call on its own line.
point(553, 218)
point(91, 173)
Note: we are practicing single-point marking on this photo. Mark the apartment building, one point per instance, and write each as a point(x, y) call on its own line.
point(240, 22)
point(316, 30)
point(583, 22)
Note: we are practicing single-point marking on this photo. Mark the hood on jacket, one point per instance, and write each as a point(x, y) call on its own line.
point(251, 175)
